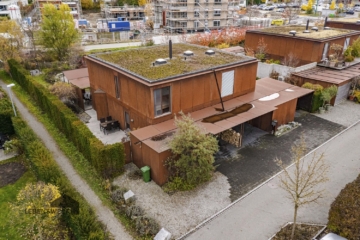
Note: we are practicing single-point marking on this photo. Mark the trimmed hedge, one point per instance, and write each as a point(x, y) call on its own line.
point(107, 159)
point(6, 112)
point(84, 225)
point(316, 102)
point(344, 213)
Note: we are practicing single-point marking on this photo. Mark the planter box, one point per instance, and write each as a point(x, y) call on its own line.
point(265, 69)
point(310, 224)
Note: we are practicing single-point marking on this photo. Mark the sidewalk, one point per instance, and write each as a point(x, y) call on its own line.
point(104, 214)
point(261, 213)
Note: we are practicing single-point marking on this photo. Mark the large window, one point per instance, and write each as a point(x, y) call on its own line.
point(196, 13)
point(162, 101)
point(216, 23)
point(217, 2)
point(325, 51)
point(117, 87)
point(346, 44)
point(227, 83)
point(217, 12)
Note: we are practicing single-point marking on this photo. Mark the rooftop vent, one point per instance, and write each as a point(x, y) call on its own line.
point(160, 61)
point(293, 32)
point(306, 31)
point(188, 53)
point(315, 29)
point(210, 52)
point(326, 28)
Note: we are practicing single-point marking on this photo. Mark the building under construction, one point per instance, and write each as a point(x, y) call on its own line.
point(194, 15)
point(126, 13)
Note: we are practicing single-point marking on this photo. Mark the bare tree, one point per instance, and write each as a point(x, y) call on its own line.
point(302, 184)
point(291, 11)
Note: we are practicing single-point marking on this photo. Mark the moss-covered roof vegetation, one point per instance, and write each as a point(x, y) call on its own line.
point(140, 60)
point(320, 34)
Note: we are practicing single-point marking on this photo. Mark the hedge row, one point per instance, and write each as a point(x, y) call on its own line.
point(344, 213)
point(84, 225)
point(6, 112)
point(107, 159)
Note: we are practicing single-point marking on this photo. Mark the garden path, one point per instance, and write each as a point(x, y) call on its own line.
point(104, 214)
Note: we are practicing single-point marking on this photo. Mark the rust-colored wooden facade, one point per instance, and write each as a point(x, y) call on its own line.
point(343, 25)
point(285, 112)
point(137, 98)
point(305, 49)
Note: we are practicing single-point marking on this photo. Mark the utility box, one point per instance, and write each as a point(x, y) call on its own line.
point(146, 173)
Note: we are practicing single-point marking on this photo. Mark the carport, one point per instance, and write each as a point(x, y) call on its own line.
point(327, 77)
point(149, 144)
point(79, 78)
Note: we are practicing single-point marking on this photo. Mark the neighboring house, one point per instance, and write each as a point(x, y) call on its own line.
point(144, 88)
point(126, 13)
point(307, 47)
point(344, 23)
point(10, 9)
point(197, 15)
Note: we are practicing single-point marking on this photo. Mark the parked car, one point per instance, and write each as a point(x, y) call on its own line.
point(268, 8)
point(332, 236)
point(280, 10)
point(357, 9)
point(349, 11)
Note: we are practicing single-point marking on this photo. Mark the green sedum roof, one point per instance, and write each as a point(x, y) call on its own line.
point(320, 34)
point(140, 60)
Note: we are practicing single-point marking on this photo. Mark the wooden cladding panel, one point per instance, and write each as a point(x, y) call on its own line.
point(305, 49)
point(198, 93)
point(343, 25)
point(285, 112)
point(187, 95)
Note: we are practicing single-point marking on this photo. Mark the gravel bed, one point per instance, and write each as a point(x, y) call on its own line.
point(181, 211)
point(345, 113)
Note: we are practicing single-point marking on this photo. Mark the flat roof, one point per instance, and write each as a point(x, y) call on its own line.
point(76, 73)
point(81, 83)
point(328, 75)
point(139, 61)
point(346, 20)
point(286, 92)
point(314, 35)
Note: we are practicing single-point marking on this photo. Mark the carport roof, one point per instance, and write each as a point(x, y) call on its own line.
point(78, 77)
point(323, 74)
point(264, 87)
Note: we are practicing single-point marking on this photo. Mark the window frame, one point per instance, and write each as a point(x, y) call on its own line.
point(216, 21)
point(161, 104)
point(117, 87)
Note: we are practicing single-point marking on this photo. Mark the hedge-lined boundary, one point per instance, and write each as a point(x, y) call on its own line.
point(344, 213)
point(107, 159)
point(6, 112)
point(85, 224)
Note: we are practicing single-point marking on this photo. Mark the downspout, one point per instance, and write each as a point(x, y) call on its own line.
point(222, 104)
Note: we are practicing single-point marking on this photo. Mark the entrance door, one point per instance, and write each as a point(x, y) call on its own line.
point(127, 120)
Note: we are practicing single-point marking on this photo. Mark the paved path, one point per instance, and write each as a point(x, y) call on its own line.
point(104, 214)
point(259, 215)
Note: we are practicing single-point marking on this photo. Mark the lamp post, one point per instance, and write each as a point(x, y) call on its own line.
point(10, 86)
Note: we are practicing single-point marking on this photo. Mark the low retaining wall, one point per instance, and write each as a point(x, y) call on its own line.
point(265, 69)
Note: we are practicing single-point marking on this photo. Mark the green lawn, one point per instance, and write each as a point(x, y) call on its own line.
point(8, 195)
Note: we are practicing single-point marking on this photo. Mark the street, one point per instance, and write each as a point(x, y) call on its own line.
point(261, 213)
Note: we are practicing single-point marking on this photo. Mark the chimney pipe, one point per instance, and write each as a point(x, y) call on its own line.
point(325, 22)
point(170, 49)
point(307, 24)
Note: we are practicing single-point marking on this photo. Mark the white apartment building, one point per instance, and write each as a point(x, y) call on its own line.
point(194, 15)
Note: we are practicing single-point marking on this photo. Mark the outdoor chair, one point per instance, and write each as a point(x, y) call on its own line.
point(102, 120)
point(107, 128)
point(116, 124)
point(108, 119)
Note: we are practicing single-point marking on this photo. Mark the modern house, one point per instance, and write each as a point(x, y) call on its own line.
point(74, 5)
point(311, 46)
point(144, 88)
point(344, 23)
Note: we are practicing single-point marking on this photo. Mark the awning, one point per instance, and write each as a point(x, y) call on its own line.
point(81, 83)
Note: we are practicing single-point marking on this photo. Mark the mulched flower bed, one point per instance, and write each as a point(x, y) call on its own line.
point(302, 232)
point(10, 173)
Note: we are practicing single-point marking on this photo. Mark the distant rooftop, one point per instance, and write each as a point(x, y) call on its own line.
point(140, 61)
point(320, 34)
point(348, 20)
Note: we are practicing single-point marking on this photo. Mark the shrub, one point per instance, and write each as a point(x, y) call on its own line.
point(108, 160)
point(317, 101)
point(117, 196)
point(146, 226)
point(344, 213)
point(223, 45)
